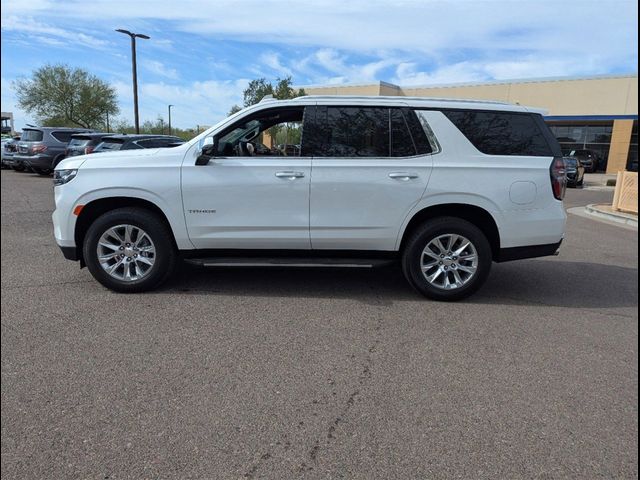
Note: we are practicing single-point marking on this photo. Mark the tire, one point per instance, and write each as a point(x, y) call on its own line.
point(18, 168)
point(158, 237)
point(580, 184)
point(446, 229)
point(43, 171)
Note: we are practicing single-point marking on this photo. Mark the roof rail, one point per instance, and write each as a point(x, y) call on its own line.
point(400, 98)
point(267, 98)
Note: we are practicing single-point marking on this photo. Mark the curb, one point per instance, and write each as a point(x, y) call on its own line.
point(618, 217)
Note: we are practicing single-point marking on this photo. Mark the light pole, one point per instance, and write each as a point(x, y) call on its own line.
point(135, 71)
point(170, 119)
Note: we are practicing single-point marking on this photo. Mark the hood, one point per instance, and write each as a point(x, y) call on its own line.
point(79, 160)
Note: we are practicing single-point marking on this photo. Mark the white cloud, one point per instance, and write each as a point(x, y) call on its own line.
point(272, 60)
point(160, 69)
point(409, 42)
point(48, 34)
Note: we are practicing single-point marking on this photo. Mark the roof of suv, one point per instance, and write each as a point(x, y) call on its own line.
point(424, 102)
point(140, 136)
point(60, 129)
point(91, 135)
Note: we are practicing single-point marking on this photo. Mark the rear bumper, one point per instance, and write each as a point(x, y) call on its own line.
point(530, 251)
point(34, 161)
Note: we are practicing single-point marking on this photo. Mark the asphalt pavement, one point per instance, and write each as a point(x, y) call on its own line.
point(312, 373)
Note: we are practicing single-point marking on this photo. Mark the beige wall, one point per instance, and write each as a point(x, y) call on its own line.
point(619, 151)
point(587, 96)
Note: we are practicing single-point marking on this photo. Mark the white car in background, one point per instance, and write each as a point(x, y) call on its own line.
point(445, 187)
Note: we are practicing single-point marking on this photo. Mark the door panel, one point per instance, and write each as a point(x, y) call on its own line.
point(366, 176)
point(248, 202)
point(360, 204)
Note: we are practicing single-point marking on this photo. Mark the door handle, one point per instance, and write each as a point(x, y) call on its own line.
point(405, 176)
point(290, 175)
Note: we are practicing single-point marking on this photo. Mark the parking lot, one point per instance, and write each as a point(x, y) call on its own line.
point(287, 373)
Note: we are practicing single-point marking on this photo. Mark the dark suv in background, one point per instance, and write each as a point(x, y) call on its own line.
point(131, 142)
point(84, 143)
point(588, 158)
point(42, 148)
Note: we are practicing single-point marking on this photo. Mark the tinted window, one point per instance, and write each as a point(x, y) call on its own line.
point(31, 135)
point(353, 132)
point(422, 135)
point(109, 145)
point(79, 142)
point(401, 141)
point(501, 133)
point(63, 137)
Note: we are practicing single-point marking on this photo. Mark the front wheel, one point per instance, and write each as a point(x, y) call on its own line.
point(130, 250)
point(447, 259)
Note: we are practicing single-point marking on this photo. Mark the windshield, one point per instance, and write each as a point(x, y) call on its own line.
point(31, 136)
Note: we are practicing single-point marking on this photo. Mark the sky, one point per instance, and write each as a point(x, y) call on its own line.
point(202, 54)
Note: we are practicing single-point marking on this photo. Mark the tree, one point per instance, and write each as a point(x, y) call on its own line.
point(66, 96)
point(234, 109)
point(259, 88)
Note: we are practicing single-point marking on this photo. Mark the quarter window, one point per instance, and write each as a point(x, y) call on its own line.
point(501, 133)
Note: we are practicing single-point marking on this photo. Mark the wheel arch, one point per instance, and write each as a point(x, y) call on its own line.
point(474, 214)
point(100, 206)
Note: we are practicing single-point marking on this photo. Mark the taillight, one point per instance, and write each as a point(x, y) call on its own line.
point(558, 172)
point(38, 148)
point(88, 150)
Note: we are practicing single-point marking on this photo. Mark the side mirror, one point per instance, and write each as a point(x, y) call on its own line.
point(208, 152)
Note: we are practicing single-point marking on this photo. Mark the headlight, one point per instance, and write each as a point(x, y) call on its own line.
point(60, 177)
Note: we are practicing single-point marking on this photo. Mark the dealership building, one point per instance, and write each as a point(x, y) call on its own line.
point(598, 113)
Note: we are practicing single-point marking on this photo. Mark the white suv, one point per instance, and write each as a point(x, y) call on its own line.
point(444, 186)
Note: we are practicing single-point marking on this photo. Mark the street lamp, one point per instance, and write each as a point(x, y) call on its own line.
point(135, 72)
point(170, 119)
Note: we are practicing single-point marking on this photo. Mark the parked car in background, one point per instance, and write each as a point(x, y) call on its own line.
point(136, 141)
point(9, 148)
point(575, 171)
point(40, 149)
point(84, 143)
point(588, 158)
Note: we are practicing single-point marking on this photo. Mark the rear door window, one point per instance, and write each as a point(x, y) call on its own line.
point(352, 132)
point(501, 133)
point(401, 141)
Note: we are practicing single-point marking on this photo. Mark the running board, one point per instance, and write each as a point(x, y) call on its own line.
point(288, 262)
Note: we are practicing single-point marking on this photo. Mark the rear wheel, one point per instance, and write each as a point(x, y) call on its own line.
point(130, 250)
point(447, 259)
point(43, 171)
point(18, 168)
